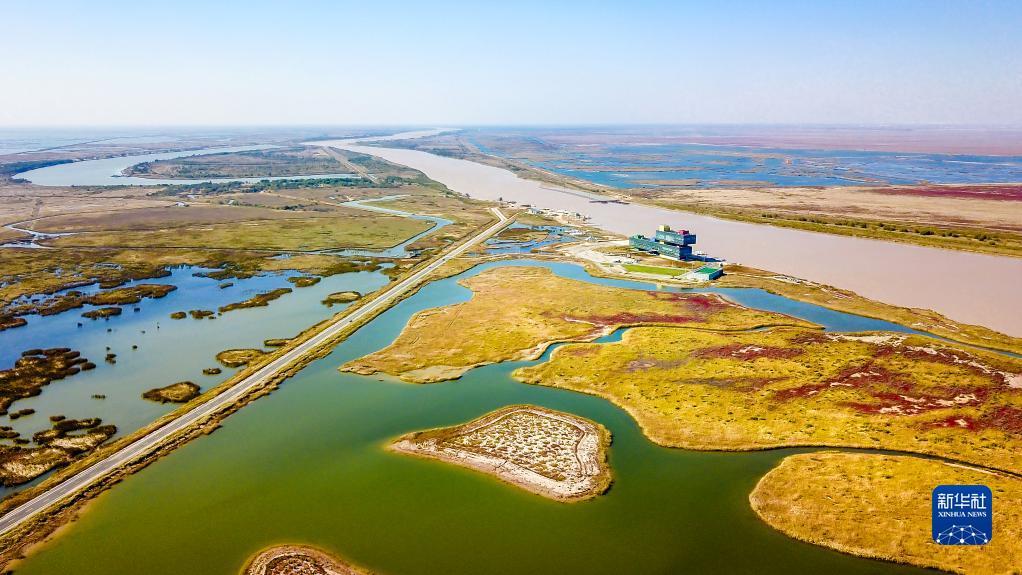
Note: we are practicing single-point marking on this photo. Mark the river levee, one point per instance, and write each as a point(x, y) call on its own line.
point(309, 465)
point(968, 287)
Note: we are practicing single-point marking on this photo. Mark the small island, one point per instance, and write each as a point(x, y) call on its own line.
point(304, 281)
point(550, 453)
point(341, 297)
point(180, 392)
point(258, 300)
point(239, 357)
point(102, 312)
point(299, 560)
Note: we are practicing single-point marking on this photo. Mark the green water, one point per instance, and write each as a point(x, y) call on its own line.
point(307, 465)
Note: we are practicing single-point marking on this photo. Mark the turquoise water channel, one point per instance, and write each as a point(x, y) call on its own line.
point(307, 465)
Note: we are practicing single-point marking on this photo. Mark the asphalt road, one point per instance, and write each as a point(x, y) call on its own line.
point(153, 440)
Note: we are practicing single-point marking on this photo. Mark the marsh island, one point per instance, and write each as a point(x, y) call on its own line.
point(550, 453)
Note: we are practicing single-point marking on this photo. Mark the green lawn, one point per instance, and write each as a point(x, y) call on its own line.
point(654, 270)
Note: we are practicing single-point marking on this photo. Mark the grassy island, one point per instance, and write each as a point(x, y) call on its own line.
point(239, 357)
point(258, 300)
point(505, 320)
point(297, 161)
point(550, 453)
point(9, 322)
point(102, 312)
point(341, 297)
point(299, 560)
point(74, 299)
point(816, 497)
point(55, 447)
point(304, 281)
point(794, 387)
point(180, 392)
point(34, 369)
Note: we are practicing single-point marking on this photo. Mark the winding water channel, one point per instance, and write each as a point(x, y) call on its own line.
point(308, 465)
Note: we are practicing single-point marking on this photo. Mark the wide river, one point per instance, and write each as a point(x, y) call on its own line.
point(107, 171)
point(308, 465)
point(968, 287)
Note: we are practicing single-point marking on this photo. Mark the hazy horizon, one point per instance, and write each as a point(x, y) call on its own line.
point(188, 64)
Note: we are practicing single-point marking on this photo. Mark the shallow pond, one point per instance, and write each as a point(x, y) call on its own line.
point(168, 350)
point(308, 465)
point(555, 235)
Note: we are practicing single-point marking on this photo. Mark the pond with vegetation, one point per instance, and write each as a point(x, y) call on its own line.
point(307, 465)
point(151, 350)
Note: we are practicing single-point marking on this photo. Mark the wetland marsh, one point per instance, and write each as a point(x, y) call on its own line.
point(327, 480)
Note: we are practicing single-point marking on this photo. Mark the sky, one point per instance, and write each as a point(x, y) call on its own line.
point(72, 63)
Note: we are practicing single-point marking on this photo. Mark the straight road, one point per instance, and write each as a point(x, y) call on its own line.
point(154, 439)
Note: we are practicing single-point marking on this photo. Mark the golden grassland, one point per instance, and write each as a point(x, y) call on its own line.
point(25, 202)
point(738, 276)
point(829, 499)
point(792, 387)
point(516, 312)
point(196, 214)
point(303, 234)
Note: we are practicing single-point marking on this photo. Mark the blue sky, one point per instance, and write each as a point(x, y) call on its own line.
point(456, 63)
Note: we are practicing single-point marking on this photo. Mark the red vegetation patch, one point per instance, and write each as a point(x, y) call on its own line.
point(892, 392)
point(901, 404)
point(945, 356)
point(748, 352)
point(691, 308)
point(628, 318)
point(1008, 192)
point(954, 422)
point(1005, 418)
point(706, 303)
point(810, 337)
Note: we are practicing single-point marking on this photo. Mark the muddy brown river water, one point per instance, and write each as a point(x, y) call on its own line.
point(967, 287)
